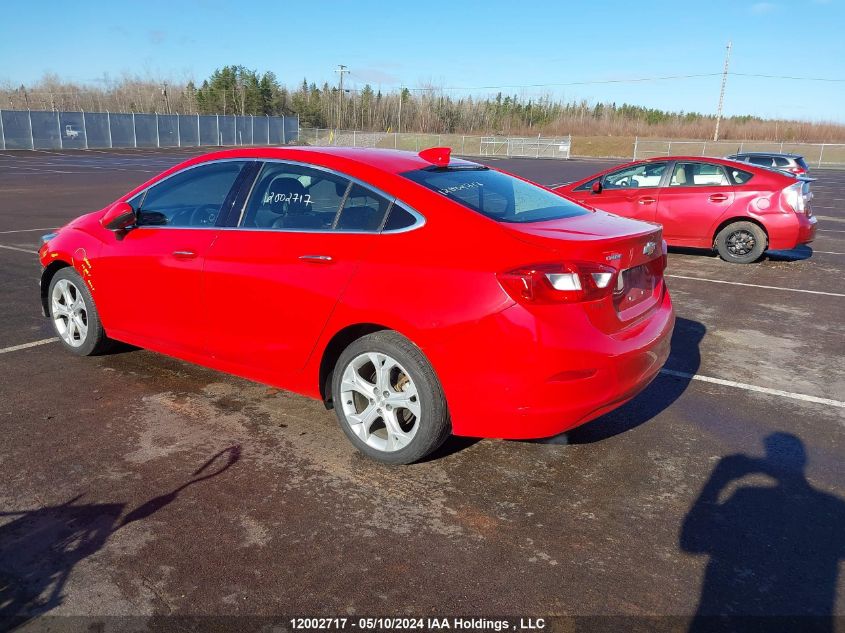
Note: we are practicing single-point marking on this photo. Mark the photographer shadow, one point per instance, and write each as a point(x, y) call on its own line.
point(40, 548)
point(685, 358)
point(774, 543)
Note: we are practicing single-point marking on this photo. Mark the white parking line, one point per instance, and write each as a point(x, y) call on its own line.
point(15, 348)
point(739, 283)
point(830, 231)
point(22, 250)
point(828, 252)
point(28, 230)
point(746, 387)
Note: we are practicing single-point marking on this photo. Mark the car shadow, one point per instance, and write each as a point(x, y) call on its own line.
point(798, 253)
point(684, 358)
point(700, 252)
point(453, 444)
point(39, 548)
point(773, 540)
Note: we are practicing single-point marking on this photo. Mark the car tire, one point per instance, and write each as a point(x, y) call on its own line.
point(388, 399)
point(741, 242)
point(74, 315)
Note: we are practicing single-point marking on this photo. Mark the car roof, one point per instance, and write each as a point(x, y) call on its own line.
point(388, 160)
point(783, 154)
point(698, 159)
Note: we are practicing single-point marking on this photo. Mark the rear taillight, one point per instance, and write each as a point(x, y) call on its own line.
point(559, 283)
point(793, 198)
point(664, 259)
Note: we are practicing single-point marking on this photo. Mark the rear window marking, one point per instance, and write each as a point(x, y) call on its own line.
point(467, 185)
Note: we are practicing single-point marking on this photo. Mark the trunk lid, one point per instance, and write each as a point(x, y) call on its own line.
point(634, 249)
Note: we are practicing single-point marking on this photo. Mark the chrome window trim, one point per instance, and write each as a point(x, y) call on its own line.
point(392, 201)
point(419, 218)
point(143, 192)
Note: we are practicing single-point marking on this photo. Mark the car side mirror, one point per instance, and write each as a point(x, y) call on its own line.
point(596, 188)
point(118, 217)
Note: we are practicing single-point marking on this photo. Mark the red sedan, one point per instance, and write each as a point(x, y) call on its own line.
point(417, 295)
point(735, 208)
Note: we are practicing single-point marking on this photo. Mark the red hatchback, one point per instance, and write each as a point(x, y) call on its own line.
point(415, 294)
point(735, 208)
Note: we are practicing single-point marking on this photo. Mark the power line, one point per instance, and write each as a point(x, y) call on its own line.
point(613, 81)
point(561, 84)
point(830, 79)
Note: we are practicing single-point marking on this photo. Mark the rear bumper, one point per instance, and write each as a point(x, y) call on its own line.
point(537, 379)
point(788, 230)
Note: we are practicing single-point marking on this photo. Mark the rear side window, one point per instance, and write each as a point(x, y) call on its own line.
point(698, 175)
point(287, 196)
point(192, 197)
point(363, 210)
point(399, 218)
point(496, 195)
point(780, 161)
point(739, 176)
point(763, 161)
point(802, 163)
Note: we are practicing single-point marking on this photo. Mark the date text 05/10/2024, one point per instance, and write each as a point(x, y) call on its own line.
point(416, 624)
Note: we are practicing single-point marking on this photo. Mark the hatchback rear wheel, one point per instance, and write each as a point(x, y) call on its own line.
point(388, 399)
point(741, 242)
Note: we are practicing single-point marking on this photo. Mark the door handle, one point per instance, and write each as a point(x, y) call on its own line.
point(317, 259)
point(646, 200)
point(184, 254)
point(718, 197)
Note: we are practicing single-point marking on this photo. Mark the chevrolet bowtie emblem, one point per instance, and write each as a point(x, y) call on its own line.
point(648, 249)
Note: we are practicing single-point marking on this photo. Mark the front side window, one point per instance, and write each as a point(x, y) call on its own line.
point(496, 195)
point(190, 198)
point(698, 175)
point(287, 196)
point(645, 175)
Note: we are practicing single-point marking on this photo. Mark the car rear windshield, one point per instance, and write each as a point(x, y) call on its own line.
point(496, 195)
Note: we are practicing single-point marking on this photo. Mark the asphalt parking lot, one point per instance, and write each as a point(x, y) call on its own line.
point(135, 484)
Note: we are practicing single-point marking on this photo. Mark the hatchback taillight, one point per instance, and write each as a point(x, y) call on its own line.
point(559, 283)
point(793, 198)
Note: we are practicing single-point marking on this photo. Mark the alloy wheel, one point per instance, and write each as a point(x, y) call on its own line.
point(740, 243)
point(70, 314)
point(380, 401)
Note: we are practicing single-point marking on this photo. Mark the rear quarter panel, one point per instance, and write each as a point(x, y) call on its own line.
point(436, 285)
point(758, 200)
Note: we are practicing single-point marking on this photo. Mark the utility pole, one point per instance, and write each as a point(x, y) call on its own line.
point(722, 92)
point(401, 94)
point(166, 98)
point(340, 70)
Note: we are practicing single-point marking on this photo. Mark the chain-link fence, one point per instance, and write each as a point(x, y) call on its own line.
point(816, 154)
point(463, 144)
point(34, 129)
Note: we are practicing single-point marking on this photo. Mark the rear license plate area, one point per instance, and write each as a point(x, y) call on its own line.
point(633, 286)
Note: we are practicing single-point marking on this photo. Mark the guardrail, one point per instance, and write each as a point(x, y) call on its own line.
point(38, 129)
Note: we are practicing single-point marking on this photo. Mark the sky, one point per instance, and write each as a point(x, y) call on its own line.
point(462, 45)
